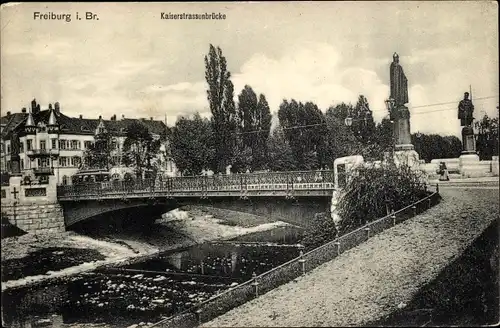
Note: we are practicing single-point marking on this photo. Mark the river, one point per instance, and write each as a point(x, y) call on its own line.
point(149, 291)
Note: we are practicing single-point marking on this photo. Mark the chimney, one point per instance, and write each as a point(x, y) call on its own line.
point(8, 114)
point(100, 117)
point(57, 107)
point(123, 116)
point(150, 118)
point(81, 116)
point(23, 110)
point(50, 106)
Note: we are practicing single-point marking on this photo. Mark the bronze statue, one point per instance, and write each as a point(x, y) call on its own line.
point(399, 83)
point(465, 111)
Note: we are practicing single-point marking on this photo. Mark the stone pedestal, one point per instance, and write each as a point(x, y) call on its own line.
point(494, 166)
point(402, 136)
point(471, 167)
point(468, 142)
point(407, 157)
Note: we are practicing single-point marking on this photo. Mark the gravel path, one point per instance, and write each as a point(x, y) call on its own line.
point(372, 280)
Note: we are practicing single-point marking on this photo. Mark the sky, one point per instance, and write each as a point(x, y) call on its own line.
point(131, 62)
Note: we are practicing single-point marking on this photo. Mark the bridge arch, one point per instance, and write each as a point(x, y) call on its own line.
point(78, 211)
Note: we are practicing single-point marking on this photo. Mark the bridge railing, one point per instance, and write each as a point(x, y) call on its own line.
point(314, 180)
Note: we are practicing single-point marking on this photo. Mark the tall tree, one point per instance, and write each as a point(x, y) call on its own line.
point(280, 153)
point(434, 146)
point(264, 118)
point(254, 126)
point(363, 125)
point(220, 95)
point(98, 154)
point(305, 128)
point(192, 144)
point(487, 137)
point(139, 148)
point(384, 134)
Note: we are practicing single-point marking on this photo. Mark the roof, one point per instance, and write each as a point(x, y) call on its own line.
point(80, 126)
point(11, 122)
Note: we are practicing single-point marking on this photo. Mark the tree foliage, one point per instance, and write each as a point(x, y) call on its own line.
point(98, 154)
point(254, 126)
point(192, 144)
point(320, 231)
point(434, 146)
point(374, 190)
point(304, 126)
point(280, 156)
point(487, 137)
point(363, 125)
point(220, 98)
point(139, 148)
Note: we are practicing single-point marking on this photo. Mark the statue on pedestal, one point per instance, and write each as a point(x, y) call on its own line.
point(465, 115)
point(399, 113)
point(465, 111)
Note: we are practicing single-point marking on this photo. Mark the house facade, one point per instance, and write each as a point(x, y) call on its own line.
point(38, 143)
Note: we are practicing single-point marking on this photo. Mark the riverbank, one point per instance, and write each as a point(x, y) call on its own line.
point(380, 276)
point(176, 230)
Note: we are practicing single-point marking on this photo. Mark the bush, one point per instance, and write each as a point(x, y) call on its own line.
point(374, 190)
point(321, 230)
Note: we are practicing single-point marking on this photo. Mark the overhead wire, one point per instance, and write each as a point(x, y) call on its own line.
point(413, 107)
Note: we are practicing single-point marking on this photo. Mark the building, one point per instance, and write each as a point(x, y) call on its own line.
point(38, 143)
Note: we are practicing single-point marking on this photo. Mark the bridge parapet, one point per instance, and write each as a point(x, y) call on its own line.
point(288, 184)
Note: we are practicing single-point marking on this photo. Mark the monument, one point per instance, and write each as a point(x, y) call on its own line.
point(469, 165)
point(465, 112)
point(400, 115)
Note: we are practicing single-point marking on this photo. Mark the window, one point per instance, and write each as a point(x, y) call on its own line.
point(62, 144)
point(8, 149)
point(65, 180)
point(54, 143)
point(21, 147)
point(76, 161)
point(22, 164)
point(43, 144)
point(74, 144)
point(63, 161)
point(29, 144)
point(43, 162)
point(87, 144)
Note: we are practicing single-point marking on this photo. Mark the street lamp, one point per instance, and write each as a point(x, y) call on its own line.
point(390, 104)
point(348, 121)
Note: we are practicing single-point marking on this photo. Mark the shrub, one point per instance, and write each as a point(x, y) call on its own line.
point(374, 190)
point(320, 231)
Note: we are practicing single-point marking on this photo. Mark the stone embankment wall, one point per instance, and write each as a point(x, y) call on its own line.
point(35, 218)
point(32, 208)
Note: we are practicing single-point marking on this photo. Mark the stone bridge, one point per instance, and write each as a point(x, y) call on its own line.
point(288, 196)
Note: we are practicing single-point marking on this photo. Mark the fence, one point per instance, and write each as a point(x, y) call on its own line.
point(315, 180)
point(292, 269)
